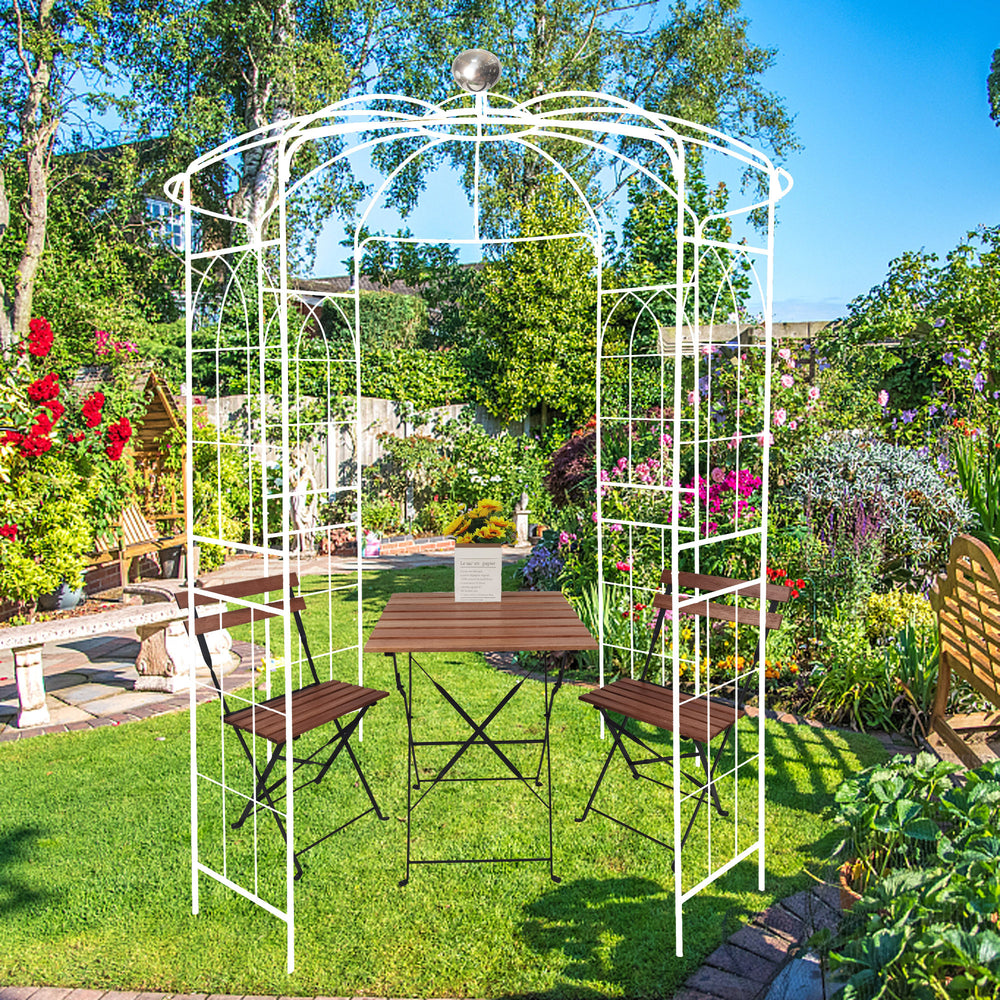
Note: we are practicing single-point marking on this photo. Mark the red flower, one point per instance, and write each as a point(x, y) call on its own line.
point(43, 423)
point(40, 337)
point(92, 408)
point(12, 437)
point(76, 438)
point(35, 444)
point(44, 388)
point(8, 531)
point(117, 438)
point(55, 408)
point(800, 584)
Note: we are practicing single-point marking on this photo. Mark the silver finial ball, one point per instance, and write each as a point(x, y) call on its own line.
point(475, 70)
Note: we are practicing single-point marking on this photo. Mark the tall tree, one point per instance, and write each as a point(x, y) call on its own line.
point(207, 71)
point(46, 44)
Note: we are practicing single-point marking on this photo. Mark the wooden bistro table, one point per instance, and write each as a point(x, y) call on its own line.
point(435, 622)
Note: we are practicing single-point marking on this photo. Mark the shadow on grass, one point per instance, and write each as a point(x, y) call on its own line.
point(617, 930)
point(17, 847)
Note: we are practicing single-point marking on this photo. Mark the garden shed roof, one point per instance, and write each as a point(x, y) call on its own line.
point(162, 411)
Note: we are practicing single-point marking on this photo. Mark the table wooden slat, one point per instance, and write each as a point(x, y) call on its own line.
point(434, 622)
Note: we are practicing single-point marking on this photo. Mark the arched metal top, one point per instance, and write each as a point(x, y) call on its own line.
point(599, 121)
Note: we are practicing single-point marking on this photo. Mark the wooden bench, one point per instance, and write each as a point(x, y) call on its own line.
point(138, 538)
point(967, 602)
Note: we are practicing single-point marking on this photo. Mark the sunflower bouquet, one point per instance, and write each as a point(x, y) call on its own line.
point(482, 525)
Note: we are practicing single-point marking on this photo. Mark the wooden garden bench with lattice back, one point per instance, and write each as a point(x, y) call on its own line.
point(138, 537)
point(967, 602)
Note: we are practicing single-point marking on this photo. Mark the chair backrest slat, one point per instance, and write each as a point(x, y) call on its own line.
point(967, 602)
point(708, 583)
point(244, 616)
point(241, 589)
point(722, 612)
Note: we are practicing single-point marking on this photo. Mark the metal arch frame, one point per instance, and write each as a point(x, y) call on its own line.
point(594, 121)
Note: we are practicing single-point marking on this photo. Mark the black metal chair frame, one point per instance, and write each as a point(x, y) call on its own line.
point(263, 795)
point(704, 782)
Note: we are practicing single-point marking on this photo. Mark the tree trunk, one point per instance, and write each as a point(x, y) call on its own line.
point(6, 334)
point(38, 130)
point(268, 99)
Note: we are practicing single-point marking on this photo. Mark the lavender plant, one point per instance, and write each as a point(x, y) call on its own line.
point(859, 490)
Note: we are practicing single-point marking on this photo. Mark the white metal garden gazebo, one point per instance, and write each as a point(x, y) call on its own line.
point(664, 351)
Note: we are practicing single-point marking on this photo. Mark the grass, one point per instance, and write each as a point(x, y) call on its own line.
point(95, 872)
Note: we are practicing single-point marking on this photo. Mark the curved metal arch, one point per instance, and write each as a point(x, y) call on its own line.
point(670, 133)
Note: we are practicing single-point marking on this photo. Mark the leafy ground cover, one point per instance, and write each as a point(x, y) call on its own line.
point(95, 872)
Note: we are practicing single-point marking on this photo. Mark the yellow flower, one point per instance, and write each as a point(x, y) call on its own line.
point(455, 527)
point(488, 507)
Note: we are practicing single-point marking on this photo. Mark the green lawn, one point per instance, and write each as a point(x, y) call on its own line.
point(95, 873)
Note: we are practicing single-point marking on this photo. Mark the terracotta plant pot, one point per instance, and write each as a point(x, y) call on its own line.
point(848, 897)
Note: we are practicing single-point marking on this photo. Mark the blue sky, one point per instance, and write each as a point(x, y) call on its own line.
point(898, 152)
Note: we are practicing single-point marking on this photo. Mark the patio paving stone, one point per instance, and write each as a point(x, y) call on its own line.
point(117, 703)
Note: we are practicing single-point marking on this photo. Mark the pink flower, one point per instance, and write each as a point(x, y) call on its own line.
point(594, 517)
point(666, 440)
point(813, 392)
point(793, 425)
point(614, 527)
point(563, 537)
point(785, 354)
point(883, 399)
point(779, 417)
point(788, 381)
point(760, 438)
point(623, 567)
point(691, 398)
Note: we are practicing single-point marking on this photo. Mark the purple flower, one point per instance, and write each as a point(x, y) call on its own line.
point(908, 416)
point(965, 364)
point(996, 393)
point(939, 323)
point(948, 358)
point(982, 345)
point(923, 452)
point(979, 381)
point(932, 410)
point(950, 411)
point(943, 464)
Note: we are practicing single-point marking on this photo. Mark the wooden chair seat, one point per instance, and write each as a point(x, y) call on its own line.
point(312, 706)
point(701, 719)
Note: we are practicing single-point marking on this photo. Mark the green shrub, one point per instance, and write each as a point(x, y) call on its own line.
point(924, 852)
point(886, 614)
point(851, 681)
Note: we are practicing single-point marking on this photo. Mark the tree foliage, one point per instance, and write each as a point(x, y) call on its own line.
point(697, 62)
point(48, 48)
point(533, 317)
point(993, 87)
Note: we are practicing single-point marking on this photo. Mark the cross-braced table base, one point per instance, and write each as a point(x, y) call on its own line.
point(478, 737)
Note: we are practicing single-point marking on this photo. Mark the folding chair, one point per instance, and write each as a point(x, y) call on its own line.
point(702, 718)
point(313, 705)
